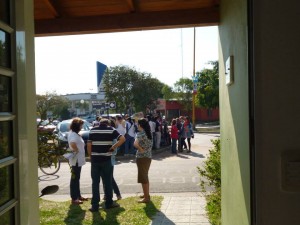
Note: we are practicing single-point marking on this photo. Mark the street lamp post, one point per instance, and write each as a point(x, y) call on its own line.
point(82, 105)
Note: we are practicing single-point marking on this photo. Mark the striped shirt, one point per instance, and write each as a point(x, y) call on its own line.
point(102, 139)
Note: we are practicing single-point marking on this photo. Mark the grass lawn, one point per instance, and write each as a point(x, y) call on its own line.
point(129, 213)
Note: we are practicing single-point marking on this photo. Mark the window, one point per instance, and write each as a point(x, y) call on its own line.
point(8, 200)
point(5, 49)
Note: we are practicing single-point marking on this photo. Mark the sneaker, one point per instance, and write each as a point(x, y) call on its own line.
point(113, 205)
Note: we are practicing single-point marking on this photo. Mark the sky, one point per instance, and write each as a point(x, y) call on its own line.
point(67, 64)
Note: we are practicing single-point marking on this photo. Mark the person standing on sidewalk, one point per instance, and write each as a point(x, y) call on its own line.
point(174, 136)
point(121, 128)
point(129, 135)
point(76, 144)
point(179, 127)
point(182, 135)
point(115, 186)
point(157, 132)
point(152, 124)
point(188, 132)
point(143, 144)
point(99, 148)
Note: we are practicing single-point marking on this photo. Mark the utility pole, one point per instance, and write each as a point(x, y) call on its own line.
point(194, 79)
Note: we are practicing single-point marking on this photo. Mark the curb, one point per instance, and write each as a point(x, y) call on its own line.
point(208, 129)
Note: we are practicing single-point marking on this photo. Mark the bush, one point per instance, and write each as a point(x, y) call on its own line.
point(210, 176)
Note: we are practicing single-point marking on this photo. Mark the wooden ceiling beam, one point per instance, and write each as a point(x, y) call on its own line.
point(52, 8)
point(128, 22)
point(131, 5)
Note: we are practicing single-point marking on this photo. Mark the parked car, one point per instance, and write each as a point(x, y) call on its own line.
point(89, 119)
point(62, 130)
point(45, 126)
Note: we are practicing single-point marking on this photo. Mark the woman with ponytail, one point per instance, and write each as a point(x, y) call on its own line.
point(143, 144)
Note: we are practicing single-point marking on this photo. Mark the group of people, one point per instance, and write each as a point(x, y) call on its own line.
point(159, 130)
point(181, 130)
point(107, 137)
point(104, 140)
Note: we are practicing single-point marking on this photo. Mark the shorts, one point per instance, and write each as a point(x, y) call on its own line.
point(143, 165)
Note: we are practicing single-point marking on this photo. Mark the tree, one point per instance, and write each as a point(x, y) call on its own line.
point(51, 102)
point(61, 109)
point(130, 89)
point(167, 92)
point(208, 87)
point(184, 93)
point(146, 91)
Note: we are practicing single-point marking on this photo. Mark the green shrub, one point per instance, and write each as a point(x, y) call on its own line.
point(210, 176)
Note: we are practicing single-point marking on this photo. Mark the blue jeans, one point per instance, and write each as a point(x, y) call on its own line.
point(74, 182)
point(174, 140)
point(129, 145)
point(105, 171)
point(114, 186)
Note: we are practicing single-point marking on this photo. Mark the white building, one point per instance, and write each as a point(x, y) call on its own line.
point(85, 103)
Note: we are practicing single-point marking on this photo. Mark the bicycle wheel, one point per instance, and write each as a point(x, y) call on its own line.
point(49, 167)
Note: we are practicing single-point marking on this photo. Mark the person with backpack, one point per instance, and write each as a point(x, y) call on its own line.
point(129, 135)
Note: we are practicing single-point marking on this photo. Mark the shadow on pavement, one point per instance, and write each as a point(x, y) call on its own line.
point(48, 177)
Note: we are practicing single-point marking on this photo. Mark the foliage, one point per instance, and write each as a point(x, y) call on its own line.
point(48, 146)
point(208, 87)
point(183, 92)
point(51, 102)
point(129, 213)
point(130, 89)
point(167, 92)
point(210, 176)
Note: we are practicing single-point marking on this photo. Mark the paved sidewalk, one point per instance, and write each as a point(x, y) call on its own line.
point(181, 209)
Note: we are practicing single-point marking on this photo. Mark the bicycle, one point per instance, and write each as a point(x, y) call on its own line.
point(49, 165)
point(49, 152)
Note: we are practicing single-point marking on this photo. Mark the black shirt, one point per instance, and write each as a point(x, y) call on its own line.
point(102, 139)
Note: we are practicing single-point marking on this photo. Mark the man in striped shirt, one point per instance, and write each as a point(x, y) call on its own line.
point(99, 146)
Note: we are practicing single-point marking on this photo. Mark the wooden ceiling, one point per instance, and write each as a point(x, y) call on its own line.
point(64, 17)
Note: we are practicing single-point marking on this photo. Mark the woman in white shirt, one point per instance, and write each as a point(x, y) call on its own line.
point(76, 144)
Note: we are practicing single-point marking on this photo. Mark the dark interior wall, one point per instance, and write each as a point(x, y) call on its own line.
point(276, 47)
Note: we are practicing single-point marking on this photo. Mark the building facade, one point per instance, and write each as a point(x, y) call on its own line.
point(173, 109)
point(83, 104)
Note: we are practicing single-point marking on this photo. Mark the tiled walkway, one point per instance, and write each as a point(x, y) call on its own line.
point(181, 209)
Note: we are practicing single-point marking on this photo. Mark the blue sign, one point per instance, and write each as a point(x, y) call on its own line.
point(100, 71)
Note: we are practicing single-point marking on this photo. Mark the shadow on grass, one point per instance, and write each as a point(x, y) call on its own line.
point(75, 215)
point(150, 210)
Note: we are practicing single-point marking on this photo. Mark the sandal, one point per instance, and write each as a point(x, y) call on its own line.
point(142, 196)
point(144, 200)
